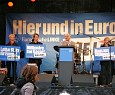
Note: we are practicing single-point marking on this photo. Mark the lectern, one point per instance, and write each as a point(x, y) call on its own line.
point(66, 65)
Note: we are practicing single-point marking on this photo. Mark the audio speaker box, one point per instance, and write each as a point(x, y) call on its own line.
point(2, 76)
point(45, 80)
point(83, 80)
point(113, 81)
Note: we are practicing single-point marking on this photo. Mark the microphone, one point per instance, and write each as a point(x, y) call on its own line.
point(16, 38)
point(78, 33)
point(110, 43)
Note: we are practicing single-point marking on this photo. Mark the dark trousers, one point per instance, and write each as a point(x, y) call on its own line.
point(37, 61)
point(106, 72)
point(3, 64)
point(14, 66)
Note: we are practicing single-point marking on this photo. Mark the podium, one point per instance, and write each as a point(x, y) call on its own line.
point(66, 65)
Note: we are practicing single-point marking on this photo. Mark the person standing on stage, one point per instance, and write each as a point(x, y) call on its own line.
point(13, 63)
point(106, 66)
point(67, 41)
point(38, 61)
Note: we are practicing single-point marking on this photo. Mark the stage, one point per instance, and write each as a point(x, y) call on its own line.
point(71, 90)
point(81, 84)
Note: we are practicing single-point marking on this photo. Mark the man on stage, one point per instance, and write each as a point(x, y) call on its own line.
point(38, 61)
point(67, 41)
point(13, 63)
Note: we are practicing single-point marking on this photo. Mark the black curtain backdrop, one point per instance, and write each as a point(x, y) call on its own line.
point(2, 29)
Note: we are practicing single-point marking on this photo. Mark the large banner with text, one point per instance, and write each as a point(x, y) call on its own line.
point(87, 31)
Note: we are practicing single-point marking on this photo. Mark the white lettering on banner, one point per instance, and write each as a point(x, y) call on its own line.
point(105, 25)
point(102, 52)
point(97, 28)
point(78, 28)
point(14, 50)
point(21, 27)
point(2, 53)
point(46, 28)
point(31, 28)
point(35, 47)
point(26, 39)
point(30, 47)
point(5, 49)
point(17, 27)
point(90, 27)
point(55, 28)
point(29, 51)
point(64, 28)
point(72, 27)
point(46, 39)
point(112, 28)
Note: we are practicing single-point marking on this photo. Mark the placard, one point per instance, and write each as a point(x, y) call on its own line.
point(104, 53)
point(9, 53)
point(35, 51)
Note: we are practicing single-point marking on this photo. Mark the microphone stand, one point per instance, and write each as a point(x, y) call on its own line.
point(110, 62)
point(110, 65)
point(14, 66)
point(90, 54)
point(83, 63)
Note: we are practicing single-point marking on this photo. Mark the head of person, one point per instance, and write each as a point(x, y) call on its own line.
point(30, 72)
point(35, 37)
point(106, 40)
point(12, 37)
point(67, 37)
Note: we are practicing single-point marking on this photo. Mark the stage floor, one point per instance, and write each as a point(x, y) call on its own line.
point(56, 90)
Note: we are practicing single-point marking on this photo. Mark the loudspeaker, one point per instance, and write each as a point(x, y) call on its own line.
point(46, 80)
point(83, 80)
point(2, 76)
point(113, 81)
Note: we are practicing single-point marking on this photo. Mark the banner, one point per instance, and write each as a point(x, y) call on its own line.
point(9, 53)
point(87, 31)
point(104, 53)
point(35, 51)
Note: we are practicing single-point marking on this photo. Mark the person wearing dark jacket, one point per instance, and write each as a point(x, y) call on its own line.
point(38, 61)
point(106, 66)
point(13, 63)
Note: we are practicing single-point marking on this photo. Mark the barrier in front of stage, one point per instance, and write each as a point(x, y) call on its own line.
point(83, 80)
